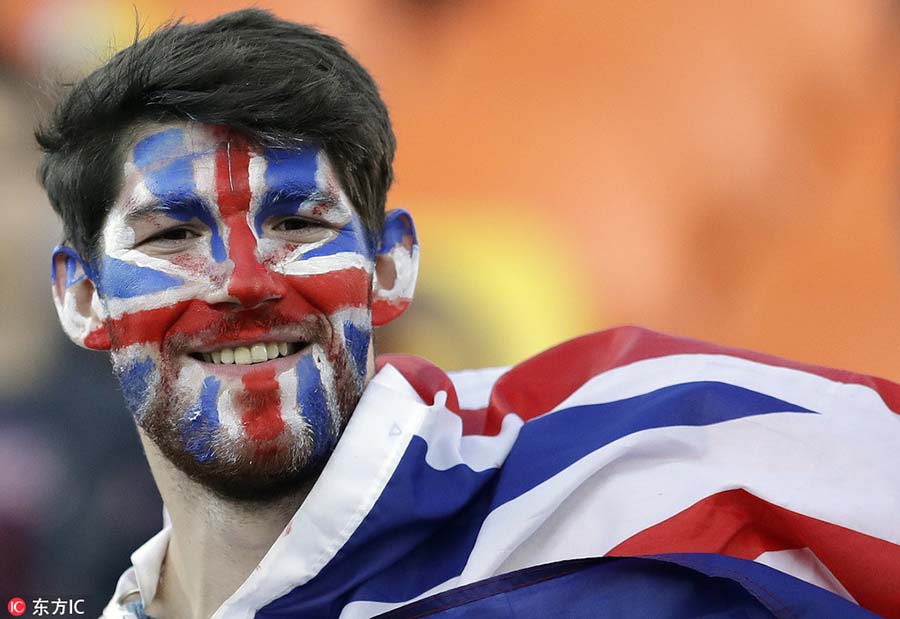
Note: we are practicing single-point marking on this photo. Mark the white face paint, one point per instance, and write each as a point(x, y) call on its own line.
point(236, 290)
point(236, 282)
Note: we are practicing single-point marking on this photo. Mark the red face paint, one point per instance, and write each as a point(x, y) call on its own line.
point(260, 288)
point(261, 402)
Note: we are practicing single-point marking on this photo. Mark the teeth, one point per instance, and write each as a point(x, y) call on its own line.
point(258, 353)
point(246, 355)
point(242, 355)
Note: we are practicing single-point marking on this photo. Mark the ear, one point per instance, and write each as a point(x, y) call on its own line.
point(76, 299)
point(396, 268)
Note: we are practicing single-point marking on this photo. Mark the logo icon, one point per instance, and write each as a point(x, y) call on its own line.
point(16, 607)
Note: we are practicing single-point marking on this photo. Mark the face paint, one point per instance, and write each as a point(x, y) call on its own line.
point(399, 245)
point(219, 250)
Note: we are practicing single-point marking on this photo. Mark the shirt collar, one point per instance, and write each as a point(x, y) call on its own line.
point(142, 577)
point(388, 414)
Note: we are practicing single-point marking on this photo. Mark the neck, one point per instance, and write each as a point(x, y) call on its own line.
point(216, 543)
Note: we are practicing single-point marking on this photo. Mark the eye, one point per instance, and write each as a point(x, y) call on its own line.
point(300, 230)
point(175, 234)
point(171, 239)
point(293, 223)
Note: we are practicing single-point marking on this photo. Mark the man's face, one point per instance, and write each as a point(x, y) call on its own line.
point(235, 283)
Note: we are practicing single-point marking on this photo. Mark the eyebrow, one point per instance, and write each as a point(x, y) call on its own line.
point(297, 193)
point(177, 206)
point(285, 200)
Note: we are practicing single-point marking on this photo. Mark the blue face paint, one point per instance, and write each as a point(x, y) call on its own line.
point(358, 345)
point(203, 421)
point(397, 225)
point(291, 180)
point(173, 181)
point(215, 177)
point(314, 406)
point(71, 270)
point(276, 206)
point(73, 260)
point(123, 280)
point(294, 169)
point(185, 208)
point(135, 382)
point(347, 240)
point(163, 172)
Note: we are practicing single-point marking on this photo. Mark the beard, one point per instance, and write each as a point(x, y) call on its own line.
point(233, 465)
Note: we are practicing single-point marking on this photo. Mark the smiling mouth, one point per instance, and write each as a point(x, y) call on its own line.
point(251, 354)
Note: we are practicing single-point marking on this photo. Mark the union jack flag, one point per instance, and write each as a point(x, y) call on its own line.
point(591, 465)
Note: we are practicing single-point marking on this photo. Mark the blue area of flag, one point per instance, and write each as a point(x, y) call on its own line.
point(72, 262)
point(346, 240)
point(173, 182)
point(275, 209)
point(357, 341)
point(314, 406)
point(202, 420)
point(123, 280)
point(167, 169)
point(190, 207)
point(134, 381)
point(290, 168)
point(397, 224)
point(71, 270)
point(290, 180)
point(158, 145)
point(423, 527)
point(674, 586)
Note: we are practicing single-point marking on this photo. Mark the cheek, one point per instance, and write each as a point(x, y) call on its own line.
point(274, 257)
point(144, 302)
point(136, 378)
point(357, 342)
point(192, 266)
point(144, 327)
point(126, 283)
point(334, 291)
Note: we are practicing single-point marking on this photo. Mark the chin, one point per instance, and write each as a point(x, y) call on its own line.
point(241, 440)
point(257, 472)
point(237, 467)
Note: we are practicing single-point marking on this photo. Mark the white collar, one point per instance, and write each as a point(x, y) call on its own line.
point(142, 577)
point(388, 414)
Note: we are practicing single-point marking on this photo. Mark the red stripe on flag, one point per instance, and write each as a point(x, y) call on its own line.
point(152, 325)
point(260, 402)
point(333, 291)
point(233, 175)
point(318, 294)
point(739, 524)
point(538, 385)
point(250, 282)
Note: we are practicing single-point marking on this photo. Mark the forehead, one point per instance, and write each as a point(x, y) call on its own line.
point(185, 158)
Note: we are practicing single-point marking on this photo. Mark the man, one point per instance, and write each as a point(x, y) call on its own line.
point(222, 188)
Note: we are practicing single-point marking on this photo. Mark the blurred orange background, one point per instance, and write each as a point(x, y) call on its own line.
point(722, 170)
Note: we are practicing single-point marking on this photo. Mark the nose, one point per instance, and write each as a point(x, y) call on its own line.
point(251, 283)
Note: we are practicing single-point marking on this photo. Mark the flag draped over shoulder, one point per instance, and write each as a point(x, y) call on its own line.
point(657, 475)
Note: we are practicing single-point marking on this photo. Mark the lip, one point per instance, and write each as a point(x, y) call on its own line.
point(279, 365)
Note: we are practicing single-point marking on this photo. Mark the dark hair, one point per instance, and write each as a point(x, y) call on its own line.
point(276, 81)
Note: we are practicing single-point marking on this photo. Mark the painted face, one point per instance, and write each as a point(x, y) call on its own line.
point(235, 288)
